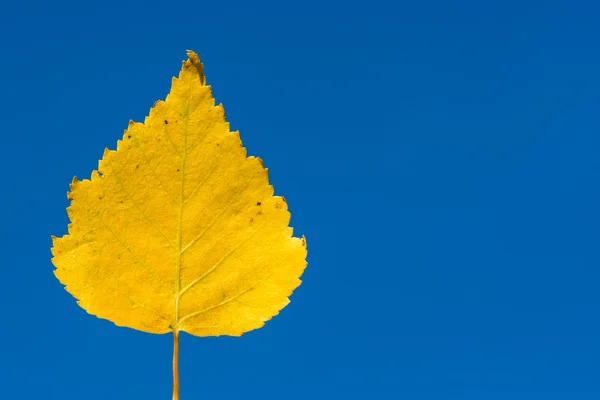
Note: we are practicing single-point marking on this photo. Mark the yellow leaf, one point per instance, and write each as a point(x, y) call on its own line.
point(178, 230)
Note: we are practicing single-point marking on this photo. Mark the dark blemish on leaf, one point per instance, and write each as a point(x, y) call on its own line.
point(251, 219)
point(129, 136)
point(166, 122)
point(258, 203)
point(217, 144)
point(177, 169)
point(137, 166)
point(259, 213)
point(121, 201)
point(99, 198)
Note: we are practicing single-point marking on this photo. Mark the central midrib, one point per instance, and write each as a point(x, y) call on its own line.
point(180, 219)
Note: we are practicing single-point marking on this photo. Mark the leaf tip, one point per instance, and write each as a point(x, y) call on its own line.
point(194, 62)
point(193, 56)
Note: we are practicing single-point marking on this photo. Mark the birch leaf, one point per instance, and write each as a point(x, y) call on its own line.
point(178, 230)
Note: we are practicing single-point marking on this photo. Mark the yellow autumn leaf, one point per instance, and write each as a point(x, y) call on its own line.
point(179, 230)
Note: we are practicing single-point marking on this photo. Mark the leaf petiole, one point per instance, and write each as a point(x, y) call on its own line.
point(175, 365)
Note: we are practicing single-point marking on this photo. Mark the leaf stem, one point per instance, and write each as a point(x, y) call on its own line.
point(176, 365)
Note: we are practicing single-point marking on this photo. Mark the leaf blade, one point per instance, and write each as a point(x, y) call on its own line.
point(179, 229)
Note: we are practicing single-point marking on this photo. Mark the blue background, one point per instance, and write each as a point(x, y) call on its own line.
point(442, 159)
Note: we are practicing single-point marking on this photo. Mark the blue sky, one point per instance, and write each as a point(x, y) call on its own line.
point(442, 159)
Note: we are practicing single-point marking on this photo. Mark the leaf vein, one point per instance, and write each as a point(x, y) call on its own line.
point(137, 260)
point(201, 184)
point(153, 171)
point(194, 314)
point(229, 253)
point(216, 217)
point(130, 197)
